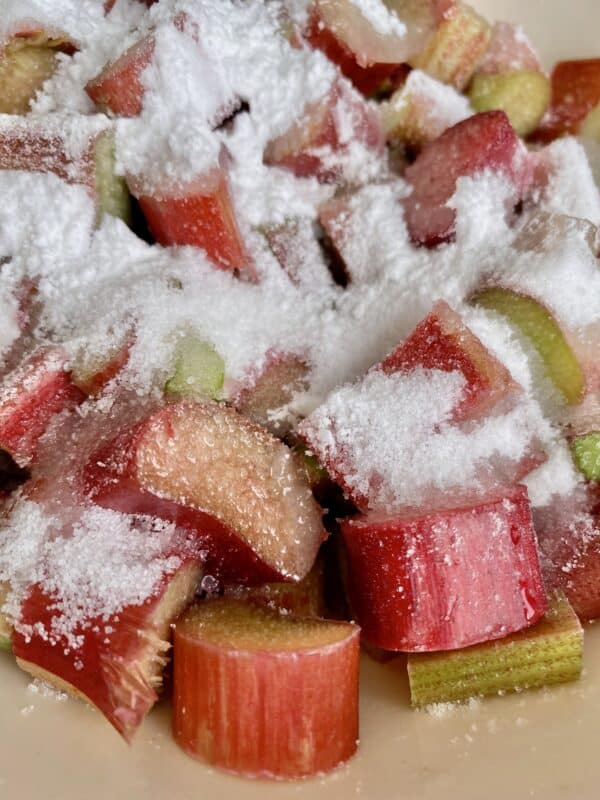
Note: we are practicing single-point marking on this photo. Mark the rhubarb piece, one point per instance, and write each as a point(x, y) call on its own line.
point(200, 214)
point(445, 580)
point(456, 48)
point(271, 388)
point(207, 468)
point(27, 60)
point(482, 142)
point(454, 393)
point(30, 397)
point(296, 247)
point(93, 371)
point(586, 454)
point(575, 93)
point(509, 50)
point(78, 150)
point(249, 662)
point(119, 87)
point(118, 667)
point(199, 369)
point(303, 599)
point(318, 143)
point(548, 653)
point(422, 110)
point(542, 329)
point(590, 127)
point(524, 96)
point(6, 627)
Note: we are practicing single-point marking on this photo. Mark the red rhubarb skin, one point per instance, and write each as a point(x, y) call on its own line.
point(444, 581)
point(267, 714)
point(104, 668)
point(119, 86)
point(575, 92)
point(28, 404)
point(110, 480)
point(484, 141)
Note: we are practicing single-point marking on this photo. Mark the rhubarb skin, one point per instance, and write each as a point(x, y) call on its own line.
point(445, 580)
point(236, 669)
point(549, 652)
point(30, 397)
point(163, 468)
point(200, 215)
point(119, 87)
point(306, 149)
point(575, 93)
point(118, 672)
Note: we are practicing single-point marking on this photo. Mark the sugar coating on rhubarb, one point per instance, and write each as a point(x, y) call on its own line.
point(383, 19)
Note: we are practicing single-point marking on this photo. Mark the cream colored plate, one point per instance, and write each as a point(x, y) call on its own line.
point(542, 744)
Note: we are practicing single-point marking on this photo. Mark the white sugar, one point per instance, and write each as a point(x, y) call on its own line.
point(78, 19)
point(383, 19)
point(570, 187)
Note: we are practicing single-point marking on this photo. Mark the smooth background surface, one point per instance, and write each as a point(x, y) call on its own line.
point(540, 745)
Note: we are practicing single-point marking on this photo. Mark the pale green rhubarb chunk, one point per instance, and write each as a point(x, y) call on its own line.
point(5, 626)
point(586, 454)
point(111, 189)
point(523, 95)
point(199, 370)
point(540, 327)
point(548, 653)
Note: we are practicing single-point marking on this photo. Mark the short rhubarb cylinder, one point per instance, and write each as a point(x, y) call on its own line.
point(263, 694)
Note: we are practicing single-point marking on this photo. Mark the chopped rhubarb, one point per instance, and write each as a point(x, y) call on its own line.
point(295, 245)
point(549, 652)
point(119, 86)
point(250, 662)
point(575, 94)
point(119, 664)
point(523, 94)
point(586, 454)
point(30, 397)
point(320, 141)
point(482, 142)
point(509, 50)
point(199, 371)
point(209, 469)
point(200, 214)
point(91, 372)
point(6, 627)
point(445, 580)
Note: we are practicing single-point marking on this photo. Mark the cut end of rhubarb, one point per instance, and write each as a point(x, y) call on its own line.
point(523, 95)
point(586, 454)
point(199, 369)
point(548, 653)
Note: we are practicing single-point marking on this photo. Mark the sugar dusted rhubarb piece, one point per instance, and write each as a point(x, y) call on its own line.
point(115, 662)
point(92, 370)
point(549, 652)
point(27, 59)
point(445, 580)
point(421, 110)
point(200, 214)
point(198, 370)
point(329, 130)
point(523, 95)
point(30, 397)
point(509, 50)
point(209, 469)
point(295, 245)
point(119, 87)
point(481, 142)
point(250, 661)
point(586, 454)
point(455, 50)
point(575, 94)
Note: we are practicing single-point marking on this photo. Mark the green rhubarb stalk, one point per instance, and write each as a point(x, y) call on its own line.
point(548, 653)
point(113, 195)
point(524, 96)
point(586, 454)
point(199, 370)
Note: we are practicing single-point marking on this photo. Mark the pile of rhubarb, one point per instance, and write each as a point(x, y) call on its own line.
point(299, 349)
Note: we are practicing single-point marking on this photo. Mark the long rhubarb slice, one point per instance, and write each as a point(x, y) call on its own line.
point(249, 663)
point(548, 653)
point(445, 580)
point(206, 467)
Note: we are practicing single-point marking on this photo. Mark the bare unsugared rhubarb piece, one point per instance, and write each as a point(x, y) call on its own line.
point(523, 95)
point(30, 397)
point(586, 453)
point(27, 60)
point(548, 653)
point(454, 51)
point(395, 439)
point(318, 143)
point(250, 662)
point(575, 94)
point(78, 150)
point(119, 88)
point(118, 667)
point(199, 214)
point(198, 371)
point(6, 627)
point(482, 142)
point(209, 469)
point(445, 580)
point(421, 110)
